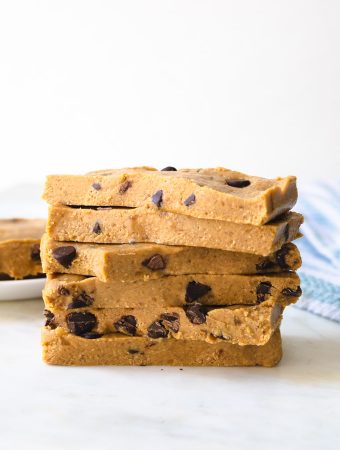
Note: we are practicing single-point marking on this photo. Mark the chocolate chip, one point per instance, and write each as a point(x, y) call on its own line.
point(97, 186)
point(289, 292)
point(157, 198)
point(170, 321)
point(35, 253)
point(190, 200)
point(64, 255)
point(133, 351)
point(124, 186)
point(156, 330)
point(169, 169)
point(237, 183)
point(80, 323)
point(97, 228)
point(265, 265)
point(196, 290)
point(195, 313)
point(5, 277)
point(81, 301)
point(263, 288)
point(126, 325)
point(50, 319)
point(91, 335)
point(155, 262)
point(63, 291)
point(280, 257)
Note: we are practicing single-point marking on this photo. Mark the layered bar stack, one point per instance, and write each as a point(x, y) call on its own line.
point(171, 267)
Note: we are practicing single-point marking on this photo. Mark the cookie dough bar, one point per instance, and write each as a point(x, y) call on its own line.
point(117, 226)
point(246, 325)
point(62, 348)
point(20, 248)
point(67, 291)
point(127, 262)
point(219, 194)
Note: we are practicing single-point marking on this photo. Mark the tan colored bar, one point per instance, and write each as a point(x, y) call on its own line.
point(127, 262)
point(62, 348)
point(200, 193)
point(119, 226)
point(62, 290)
point(20, 248)
point(246, 325)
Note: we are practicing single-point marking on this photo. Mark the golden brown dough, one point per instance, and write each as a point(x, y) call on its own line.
point(119, 226)
point(133, 262)
point(62, 290)
point(245, 325)
point(62, 348)
point(20, 248)
point(219, 193)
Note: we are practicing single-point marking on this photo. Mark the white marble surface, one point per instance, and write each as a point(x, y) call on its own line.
point(293, 406)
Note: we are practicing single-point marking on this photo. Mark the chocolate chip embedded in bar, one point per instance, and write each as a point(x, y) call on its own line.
point(63, 348)
point(149, 261)
point(20, 248)
point(255, 324)
point(151, 225)
point(219, 194)
point(171, 291)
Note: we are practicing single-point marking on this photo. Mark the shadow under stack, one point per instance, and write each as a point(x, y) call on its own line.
point(172, 267)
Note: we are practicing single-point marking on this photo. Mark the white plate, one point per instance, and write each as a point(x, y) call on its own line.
point(21, 289)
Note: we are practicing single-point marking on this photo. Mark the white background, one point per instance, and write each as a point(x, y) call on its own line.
point(250, 85)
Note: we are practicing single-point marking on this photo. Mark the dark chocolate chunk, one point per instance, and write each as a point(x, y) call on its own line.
point(50, 319)
point(5, 277)
point(81, 301)
point(156, 330)
point(263, 289)
point(237, 183)
point(190, 200)
point(195, 290)
point(169, 169)
point(155, 262)
point(63, 291)
point(80, 323)
point(280, 257)
point(133, 351)
point(64, 255)
point(97, 186)
point(97, 228)
point(265, 265)
point(170, 321)
point(91, 335)
point(35, 253)
point(195, 313)
point(289, 292)
point(126, 325)
point(157, 198)
point(124, 186)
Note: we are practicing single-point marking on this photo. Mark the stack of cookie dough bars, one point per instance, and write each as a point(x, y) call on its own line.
point(20, 248)
point(170, 267)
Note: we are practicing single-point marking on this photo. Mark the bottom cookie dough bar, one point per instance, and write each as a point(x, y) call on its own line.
point(20, 248)
point(62, 348)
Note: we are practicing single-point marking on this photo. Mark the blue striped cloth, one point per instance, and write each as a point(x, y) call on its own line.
point(320, 249)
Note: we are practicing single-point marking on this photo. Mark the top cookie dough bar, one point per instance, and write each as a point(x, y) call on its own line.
point(219, 194)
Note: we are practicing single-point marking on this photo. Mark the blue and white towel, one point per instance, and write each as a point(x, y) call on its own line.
point(320, 249)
